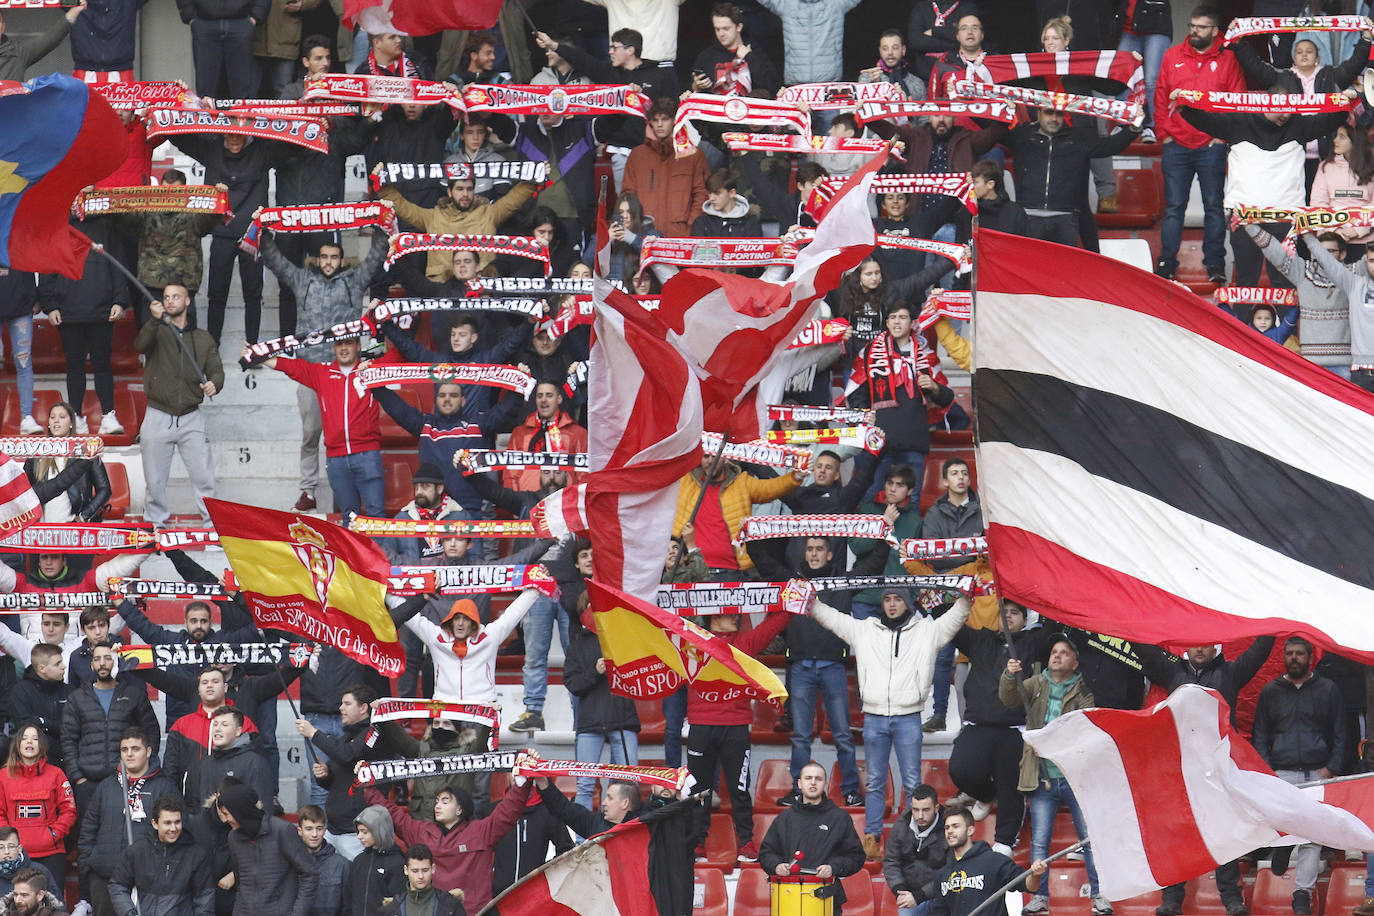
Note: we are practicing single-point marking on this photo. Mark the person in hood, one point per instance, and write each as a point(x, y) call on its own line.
point(331, 867)
point(1323, 305)
point(1046, 696)
point(273, 871)
point(14, 859)
point(895, 653)
point(672, 190)
point(120, 815)
point(170, 873)
point(915, 851)
point(378, 871)
point(975, 873)
point(36, 799)
point(31, 897)
point(725, 214)
point(813, 834)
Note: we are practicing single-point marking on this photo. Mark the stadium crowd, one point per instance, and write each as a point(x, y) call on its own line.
point(174, 814)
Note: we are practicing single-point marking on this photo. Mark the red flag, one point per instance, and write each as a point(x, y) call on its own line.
point(19, 507)
point(735, 330)
point(425, 17)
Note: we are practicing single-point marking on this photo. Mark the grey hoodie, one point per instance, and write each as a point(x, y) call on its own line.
point(378, 871)
point(1323, 311)
point(1359, 293)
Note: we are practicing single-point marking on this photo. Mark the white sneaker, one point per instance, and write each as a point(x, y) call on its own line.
point(29, 427)
point(82, 427)
point(110, 425)
point(1002, 849)
point(962, 800)
point(980, 810)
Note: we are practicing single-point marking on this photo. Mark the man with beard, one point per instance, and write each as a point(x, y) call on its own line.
point(547, 429)
point(431, 503)
point(31, 896)
point(974, 872)
point(460, 212)
point(1300, 733)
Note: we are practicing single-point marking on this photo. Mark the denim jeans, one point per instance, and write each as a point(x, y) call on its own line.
point(944, 670)
point(1044, 805)
point(624, 749)
point(330, 725)
point(357, 483)
point(21, 354)
point(1306, 856)
point(920, 909)
point(1369, 876)
point(881, 735)
point(1180, 164)
point(1152, 48)
point(890, 458)
point(674, 714)
point(807, 677)
point(538, 638)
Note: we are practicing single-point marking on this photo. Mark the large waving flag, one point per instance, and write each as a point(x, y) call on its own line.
point(651, 652)
point(306, 576)
point(58, 137)
point(421, 17)
point(1151, 468)
point(19, 506)
point(1171, 792)
point(735, 330)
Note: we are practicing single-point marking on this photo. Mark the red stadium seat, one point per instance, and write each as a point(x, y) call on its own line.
point(1274, 894)
point(1068, 888)
point(721, 848)
point(1345, 890)
point(858, 891)
point(935, 773)
point(651, 723)
point(761, 731)
point(47, 348)
point(1064, 834)
point(1144, 905)
point(884, 901)
point(393, 436)
point(752, 894)
point(932, 486)
point(761, 824)
point(1140, 199)
point(399, 468)
point(774, 781)
point(119, 491)
point(708, 895)
point(123, 356)
point(1202, 897)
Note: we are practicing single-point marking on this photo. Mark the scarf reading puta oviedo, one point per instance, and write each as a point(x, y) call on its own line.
point(1265, 102)
point(517, 246)
point(264, 350)
point(840, 96)
point(1131, 114)
point(700, 106)
point(320, 218)
point(380, 90)
point(1264, 25)
point(568, 101)
point(311, 133)
point(885, 111)
point(501, 170)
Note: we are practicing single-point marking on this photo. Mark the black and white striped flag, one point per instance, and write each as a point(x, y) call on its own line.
point(1152, 468)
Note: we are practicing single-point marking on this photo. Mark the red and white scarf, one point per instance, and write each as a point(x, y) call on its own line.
point(868, 438)
point(690, 252)
point(449, 527)
point(402, 66)
point(501, 170)
point(311, 133)
point(815, 146)
point(187, 539)
point(885, 111)
point(508, 378)
point(517, 246)
point(759, 452)
point(942, 14)
point(133, 96)
point(570, 100)
point(820, 332)
point(885, 368)
point(675, 778)
point(701, 106)
point(391, 709)
point(840, 96)
point(40, 601)
point(394, 308)
point(22, 447)
point(476, 460)
point(317, 109)
point(163, 198)
point(121, 587)
point(1265, 102)
point(72, 538)
point(805, 414)
point(396, 769)
point(952, 184)
point(942, 548)
point(945, 303)
point(1122, 112)
point(320, 218)
point(1121, 67)
point(457, 580)
point(1255, 295)
point(579, 311)
point(1263, 25)
point(380, 90)
point(765, 527)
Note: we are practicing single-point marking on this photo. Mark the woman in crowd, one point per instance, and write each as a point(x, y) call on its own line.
point(83, 500)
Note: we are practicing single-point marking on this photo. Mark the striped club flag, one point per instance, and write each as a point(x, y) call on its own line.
point(1152, 468)
point(19, 506)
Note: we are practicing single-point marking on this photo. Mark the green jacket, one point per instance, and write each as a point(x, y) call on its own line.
point(1034, 692)
point(169, 377)
point(17, 54)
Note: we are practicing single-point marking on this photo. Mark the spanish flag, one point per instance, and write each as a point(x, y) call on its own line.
point(650, 652)
point(306, 576)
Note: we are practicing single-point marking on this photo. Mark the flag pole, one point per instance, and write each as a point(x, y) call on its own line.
point(1004, 889)
point(1334, 779)
point(295, 714)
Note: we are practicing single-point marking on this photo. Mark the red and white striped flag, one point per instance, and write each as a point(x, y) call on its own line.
point(19, 506)
point(1171, 792)
point(1164, 473)
point(734, 330)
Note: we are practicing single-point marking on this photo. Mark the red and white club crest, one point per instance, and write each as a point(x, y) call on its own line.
point(558, 100)
point(313, 551)
point(736, 109)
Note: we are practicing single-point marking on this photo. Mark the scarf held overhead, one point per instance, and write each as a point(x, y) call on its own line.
point(491, 375)
point(380, 90)
point(164, 198)
point(700, 106)
point(1122, 112)
point(568, 101)
point(310, 133)
point(516, 246)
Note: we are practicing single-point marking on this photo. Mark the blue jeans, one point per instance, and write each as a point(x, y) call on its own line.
point(809, 676)
point(944, 668)
point(538, 638)
point(1151, 48)
point(357, 483)
point(920, 909)
point(890, 458)
point(881, 735)
point(589, 745)
point(1180, 164)
point(1369, 876)
point(21, 354)
point(674, 714)
point(330, 725)
point(1044, 805)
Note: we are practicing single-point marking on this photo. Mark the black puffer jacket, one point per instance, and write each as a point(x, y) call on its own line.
point(244, 172)
point(240, 760)
point(104, 831)
point(598, 710)
point(90, 738)
point(1301, 727)
point(526, 846)
point(18, 293)
point(1049, 169)
point(89, 495)
point(173, 879)
point(275, 871)
point(823, 833)
point(910, 863)
point(398, 139)
point(88, 300)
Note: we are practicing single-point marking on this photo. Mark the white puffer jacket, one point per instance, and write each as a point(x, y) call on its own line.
point(471, 677)
point(896, 667)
